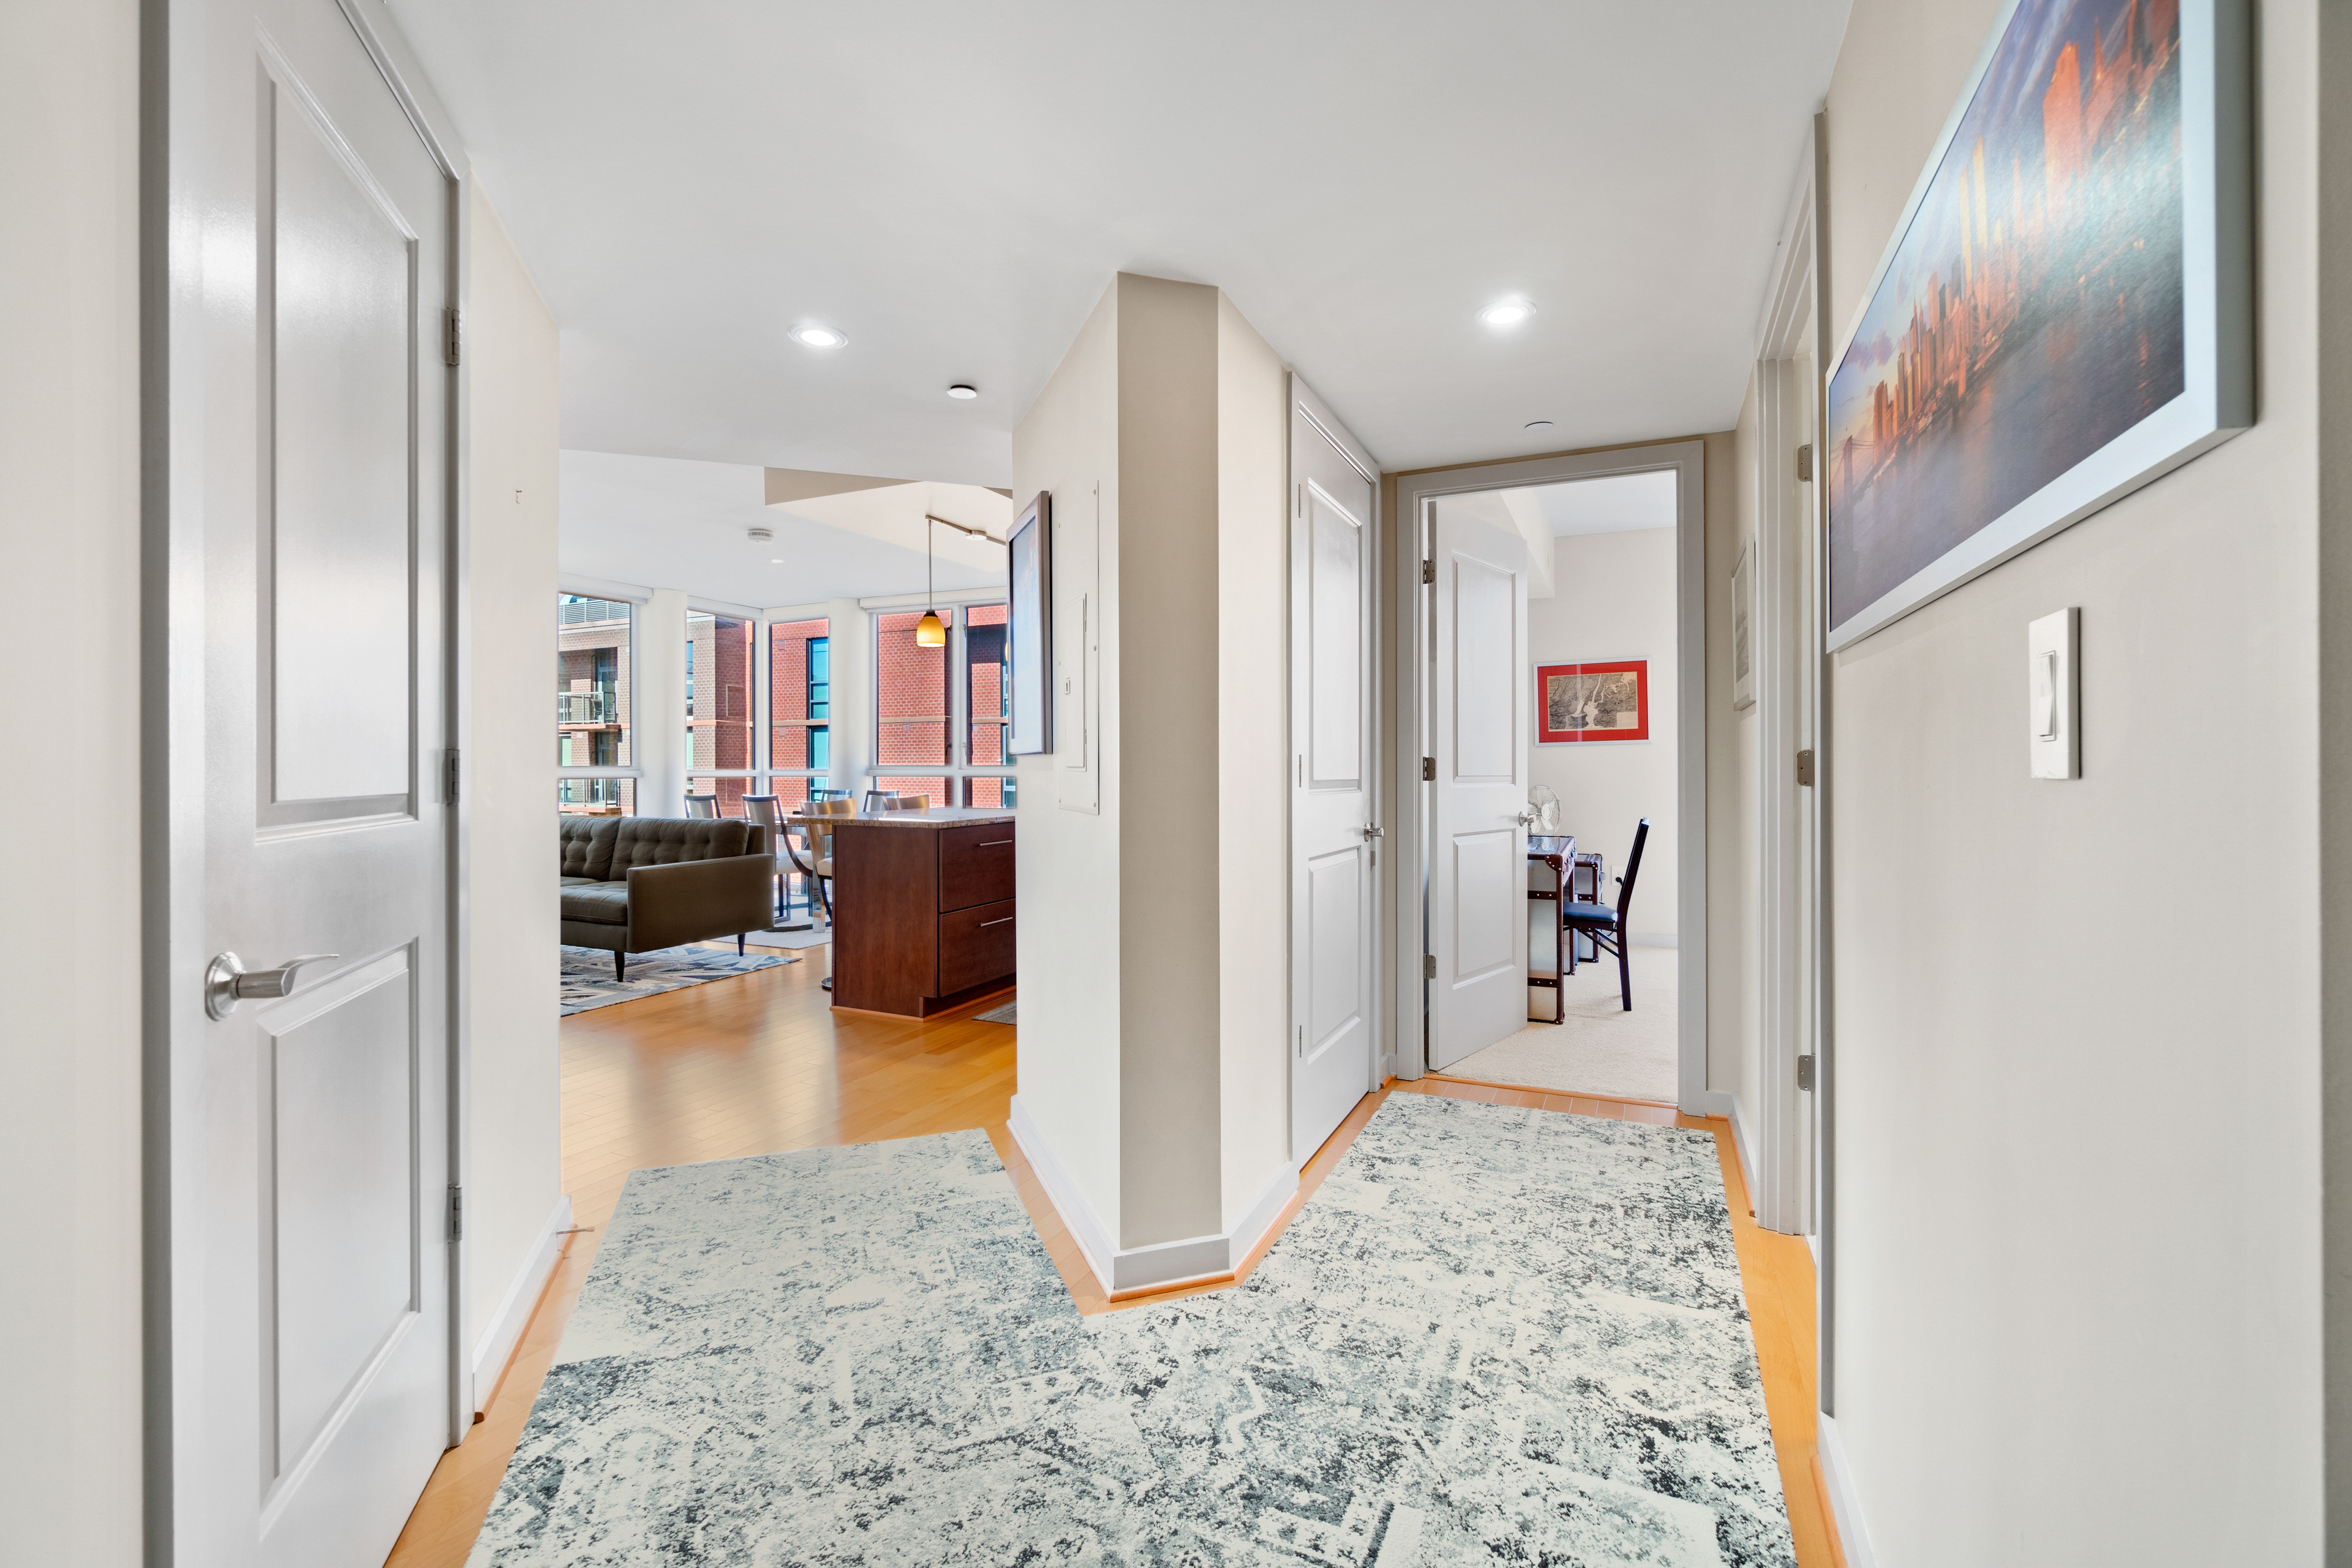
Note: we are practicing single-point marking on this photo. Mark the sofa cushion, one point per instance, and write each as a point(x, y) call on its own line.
point(586, 846)
point(600, 903)
point(666, 841)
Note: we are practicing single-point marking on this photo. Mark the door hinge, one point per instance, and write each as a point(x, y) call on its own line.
point(449, 335)
point(451, 780)
point(1805, 766)
point(1302, 1039)
point(1805, 462)
point(1429, 965)
point(1428, 769)
point(1429, 572)
point(1805, 1073)
point(456, 1213)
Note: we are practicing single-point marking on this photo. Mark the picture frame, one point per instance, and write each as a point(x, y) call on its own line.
point(1743, 628)
point(1595, 702)
point(1029, 630)
point(2064, 313)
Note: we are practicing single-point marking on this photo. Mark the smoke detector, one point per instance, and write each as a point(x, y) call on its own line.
point(761, 535)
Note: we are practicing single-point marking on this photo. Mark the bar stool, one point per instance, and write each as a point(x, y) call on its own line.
point(702, 805)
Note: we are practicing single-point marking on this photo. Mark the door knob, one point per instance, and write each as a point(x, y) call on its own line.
point(228, 982)
point(1374, 832)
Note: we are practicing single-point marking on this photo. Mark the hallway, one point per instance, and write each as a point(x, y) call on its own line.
point(762, 1064)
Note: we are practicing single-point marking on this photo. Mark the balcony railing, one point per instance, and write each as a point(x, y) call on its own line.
point(596, 706)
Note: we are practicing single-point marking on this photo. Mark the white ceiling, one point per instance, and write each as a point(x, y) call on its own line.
point(953, 187)
point(667, 522)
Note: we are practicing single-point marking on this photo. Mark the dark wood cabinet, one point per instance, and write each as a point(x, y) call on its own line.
point(923, 910)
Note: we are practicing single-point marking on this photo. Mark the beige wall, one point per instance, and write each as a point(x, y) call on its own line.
point(1734, 806)
point(1253, 752)
point(2077, 1164)
point(514, 1161)
point(69, 1038)
point(1067, 859)
point(1614, 598)
point(1153, 943)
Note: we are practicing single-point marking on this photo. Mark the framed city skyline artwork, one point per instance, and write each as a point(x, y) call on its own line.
point(2064, 313)
point(1594, 701)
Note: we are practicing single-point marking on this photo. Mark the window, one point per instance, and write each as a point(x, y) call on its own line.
point(592, 703)
point(719, 701)
point(937, 738)
point(799, 708)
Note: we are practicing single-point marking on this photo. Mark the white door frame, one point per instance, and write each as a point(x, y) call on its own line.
point(172, 953)
point(1787, 672)
point(1409, 816)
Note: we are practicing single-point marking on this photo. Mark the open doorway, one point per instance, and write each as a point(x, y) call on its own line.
point(1596, 678)
point(1601, 1012)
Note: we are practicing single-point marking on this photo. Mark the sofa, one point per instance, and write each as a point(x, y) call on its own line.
point(634, 885)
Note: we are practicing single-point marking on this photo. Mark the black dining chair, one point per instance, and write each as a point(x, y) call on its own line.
point(1604, 926)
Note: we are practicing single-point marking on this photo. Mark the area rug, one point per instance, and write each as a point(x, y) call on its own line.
point(1008, 1013)
point(1494, 1333)
point(1602, 1049)
point(587, 973)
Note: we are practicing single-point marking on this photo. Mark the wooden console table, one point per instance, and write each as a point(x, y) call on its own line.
point(923, 909)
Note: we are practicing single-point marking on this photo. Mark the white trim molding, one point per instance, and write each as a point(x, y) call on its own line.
point(504, 1330)
point(1845, 1504)
point(1125, 1271)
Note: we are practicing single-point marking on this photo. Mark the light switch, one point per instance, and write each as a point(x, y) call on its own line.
point(2053, 735)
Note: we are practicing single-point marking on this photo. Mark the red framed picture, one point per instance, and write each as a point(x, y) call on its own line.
point(1601, 701)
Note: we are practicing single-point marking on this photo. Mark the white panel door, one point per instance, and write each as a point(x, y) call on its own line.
point(1479, 682)
point(1332, 834)
point(314, 1371)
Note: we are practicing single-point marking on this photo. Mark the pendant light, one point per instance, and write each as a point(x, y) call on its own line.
point(930, 632)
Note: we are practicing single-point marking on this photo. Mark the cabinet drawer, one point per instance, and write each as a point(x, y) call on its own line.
point(975, 945)
point(975, 866)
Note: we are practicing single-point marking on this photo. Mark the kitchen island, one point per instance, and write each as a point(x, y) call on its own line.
point(923, 909)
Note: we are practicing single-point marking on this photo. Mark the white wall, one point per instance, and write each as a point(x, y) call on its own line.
point(1735, 802)
point(658, 702)
point(70, 1038)
point(1613, 598)
point(514, 1160)
point(2078, 1181)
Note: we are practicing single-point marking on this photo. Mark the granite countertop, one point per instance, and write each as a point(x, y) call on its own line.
point(936, 817)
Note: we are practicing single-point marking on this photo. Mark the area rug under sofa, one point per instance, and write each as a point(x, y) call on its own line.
point(586, 973)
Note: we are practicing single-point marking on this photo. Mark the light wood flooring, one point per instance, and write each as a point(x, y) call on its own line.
point(762, 1063)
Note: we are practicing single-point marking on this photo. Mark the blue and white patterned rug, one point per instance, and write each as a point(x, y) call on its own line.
point(1493, 1334)
point(586, 977)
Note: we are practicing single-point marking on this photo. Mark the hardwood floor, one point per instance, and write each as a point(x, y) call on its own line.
point(761, 1064)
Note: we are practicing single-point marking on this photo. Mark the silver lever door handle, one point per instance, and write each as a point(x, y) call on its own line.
point(1371, 832)
point(228, 982)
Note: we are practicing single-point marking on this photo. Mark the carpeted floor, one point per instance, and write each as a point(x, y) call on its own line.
point(1602, 1049)
point(587, 980)
point(1494, 1333)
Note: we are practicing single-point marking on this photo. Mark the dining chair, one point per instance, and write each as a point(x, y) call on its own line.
point(876, 799)
point(1604, 926)
point(702, 805)
point(906, 803)
point(817, 862)
point(764, 811)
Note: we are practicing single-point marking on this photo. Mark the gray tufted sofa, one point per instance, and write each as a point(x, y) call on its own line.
point(634, 885)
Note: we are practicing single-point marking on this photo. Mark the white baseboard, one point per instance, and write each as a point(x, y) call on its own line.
point(514, 1310)
point(1119, 1269)
point(1745, 1145)
point(1846, 1507)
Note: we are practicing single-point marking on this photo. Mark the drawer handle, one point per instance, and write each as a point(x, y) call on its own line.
point(986, 924)
point(990, 844)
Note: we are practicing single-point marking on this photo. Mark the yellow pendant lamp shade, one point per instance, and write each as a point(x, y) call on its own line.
point(930, 632)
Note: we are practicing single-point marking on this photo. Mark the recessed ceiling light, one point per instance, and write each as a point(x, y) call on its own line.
point(775, 560)
point(1506, 312)
point(963, 391)
point(1539, 425)
point(811, 335)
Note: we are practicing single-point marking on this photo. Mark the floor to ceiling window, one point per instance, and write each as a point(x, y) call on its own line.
point(799, 708)
point(592, 763)
point(934, 737)
point(721, 700)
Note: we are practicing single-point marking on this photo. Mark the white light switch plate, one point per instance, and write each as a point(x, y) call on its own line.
point(2054, 696)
